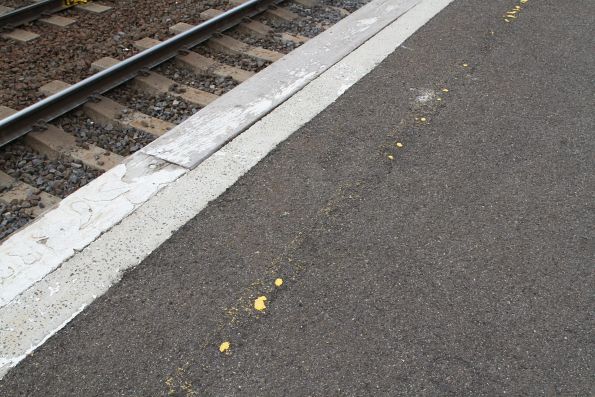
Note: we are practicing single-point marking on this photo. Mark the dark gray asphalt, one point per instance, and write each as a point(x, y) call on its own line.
point(462, 267)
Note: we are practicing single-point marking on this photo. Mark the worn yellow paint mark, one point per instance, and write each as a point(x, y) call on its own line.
point(171, 390)
point(438, 99)
point(465, 65)
point(399, 144)
point(445, 90)
point(511, 15)
point(423, 119)
point(224, 347)
point(178, 385)
point(391, 157)
point(259, 303)
point(232, 314)
point(278, 282)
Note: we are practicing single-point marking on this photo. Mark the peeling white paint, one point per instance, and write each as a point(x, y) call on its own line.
point(42, 246)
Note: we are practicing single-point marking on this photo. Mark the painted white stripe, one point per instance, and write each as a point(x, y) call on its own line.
point(46, 307)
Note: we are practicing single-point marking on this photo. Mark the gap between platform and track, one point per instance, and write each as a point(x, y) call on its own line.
point(144, 198)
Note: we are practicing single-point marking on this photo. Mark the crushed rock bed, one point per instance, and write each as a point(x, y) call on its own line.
point(319, 15)
point(349, 5)
point(210, 83)
point(163, 106)
point(299, 27)
point(269, 43)
point(15, 215)
point(59, 177)
point(238, 61)
point(111, 137)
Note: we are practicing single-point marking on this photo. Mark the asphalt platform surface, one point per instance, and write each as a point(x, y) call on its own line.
point(461, 266)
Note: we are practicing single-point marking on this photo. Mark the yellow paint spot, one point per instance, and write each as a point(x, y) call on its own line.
point(259, 303)
point(399, 144)
point(278, 282)
point(438, 99)
point(465, 65)
point(391, 157)
point(423, 119)
point(445, 90)
point(506, 20)
point(224, 347)
point(524, 1)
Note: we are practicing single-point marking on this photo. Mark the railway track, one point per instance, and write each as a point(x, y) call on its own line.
point(11, 18)
point(53, 147)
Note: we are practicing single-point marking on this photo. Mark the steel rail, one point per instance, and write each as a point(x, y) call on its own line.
point(29, 13)
point(20, 123)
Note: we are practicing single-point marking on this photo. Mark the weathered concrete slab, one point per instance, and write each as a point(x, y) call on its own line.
point(79, 219)
point(20, 35)
point(57, 20)
point(94, 8)
point(201, 135)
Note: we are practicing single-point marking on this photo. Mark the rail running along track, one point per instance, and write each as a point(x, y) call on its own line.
point(12, 18)
point(40, 9)
point(74, 161)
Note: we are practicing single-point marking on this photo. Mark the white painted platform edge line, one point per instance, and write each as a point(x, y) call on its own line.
point(8, 362)
point(50, 304)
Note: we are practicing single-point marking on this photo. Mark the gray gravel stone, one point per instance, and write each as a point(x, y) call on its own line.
point(122, 141)
point(58, 177)
point(207, 82)
point(164, 106)
point(13, 216)
point(320, 15)
point(242, 62)
point(349, 5)
point(273, 43)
